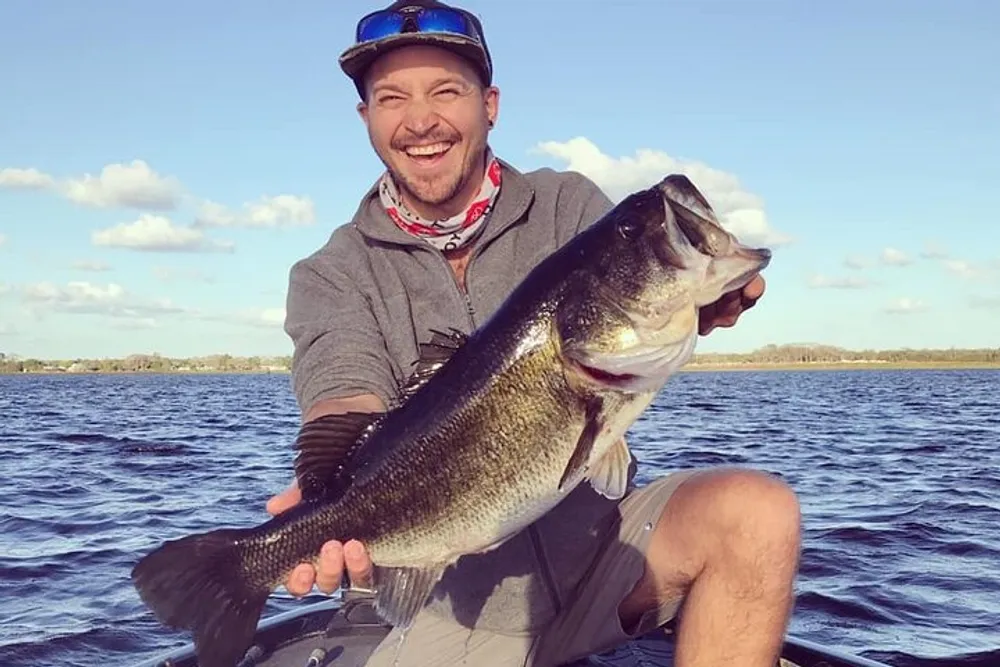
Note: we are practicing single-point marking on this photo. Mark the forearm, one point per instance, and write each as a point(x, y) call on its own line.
point(336, 406)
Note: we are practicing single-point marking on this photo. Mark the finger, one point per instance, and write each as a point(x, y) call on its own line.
point(284, 500)
point(752, 291)
point(727, 321)
point(719, 313)
point(330, 568)
point(301, 580)
point(706, 318)
point(358, 564)
point(729, 309)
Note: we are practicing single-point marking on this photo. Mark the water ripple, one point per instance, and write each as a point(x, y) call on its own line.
point(898, 474)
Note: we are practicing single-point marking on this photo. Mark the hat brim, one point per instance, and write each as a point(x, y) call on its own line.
point(356, 60)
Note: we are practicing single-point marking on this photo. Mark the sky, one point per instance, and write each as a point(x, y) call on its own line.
point(162, 166)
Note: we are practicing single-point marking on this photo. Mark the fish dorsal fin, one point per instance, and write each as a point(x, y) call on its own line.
point(401, 592)
point(324, 445)
point(609, 475)
point(433, 354)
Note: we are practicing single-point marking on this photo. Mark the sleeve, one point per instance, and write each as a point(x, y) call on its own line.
point(582, 203)
point(339, 349)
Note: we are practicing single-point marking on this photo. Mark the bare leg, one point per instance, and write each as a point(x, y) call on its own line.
point(729, 541)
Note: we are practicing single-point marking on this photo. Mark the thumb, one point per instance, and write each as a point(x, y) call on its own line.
point(285, 500)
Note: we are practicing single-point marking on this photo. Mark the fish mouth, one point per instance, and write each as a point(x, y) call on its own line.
point(697, 240)
point(634, 371)
point(604, 377)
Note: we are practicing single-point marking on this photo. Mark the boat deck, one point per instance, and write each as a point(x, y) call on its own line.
point(343, 634)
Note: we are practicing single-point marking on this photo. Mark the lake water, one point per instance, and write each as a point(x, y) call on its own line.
point(898, 473)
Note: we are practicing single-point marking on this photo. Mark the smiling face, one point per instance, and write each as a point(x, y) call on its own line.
point(428, 116)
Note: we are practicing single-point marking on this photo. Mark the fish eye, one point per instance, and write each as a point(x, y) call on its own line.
point(629, 228)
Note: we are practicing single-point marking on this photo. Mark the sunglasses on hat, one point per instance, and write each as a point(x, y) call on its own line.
point(386, 22)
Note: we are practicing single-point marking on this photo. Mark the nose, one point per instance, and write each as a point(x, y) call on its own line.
point(420, 116)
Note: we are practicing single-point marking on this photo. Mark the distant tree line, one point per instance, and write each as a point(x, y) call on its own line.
point(148, 363)
point(829, 354)
point(768, 355)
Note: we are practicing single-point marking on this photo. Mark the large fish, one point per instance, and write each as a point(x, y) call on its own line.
point(492, 432)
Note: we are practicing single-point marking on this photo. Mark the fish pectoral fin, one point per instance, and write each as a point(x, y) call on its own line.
point(609, 475)
point(324, 445)
point(577, 464)
point(401, 592)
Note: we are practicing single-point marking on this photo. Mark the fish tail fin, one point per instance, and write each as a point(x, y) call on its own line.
point(200, 583)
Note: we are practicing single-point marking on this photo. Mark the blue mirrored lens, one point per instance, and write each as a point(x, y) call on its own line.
point(385, 24)
point(379, 26)
point(444, 20)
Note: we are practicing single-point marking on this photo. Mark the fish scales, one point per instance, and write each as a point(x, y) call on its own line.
point(487, 451)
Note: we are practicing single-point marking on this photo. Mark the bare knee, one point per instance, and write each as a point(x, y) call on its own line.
point(746, 504)
point(743, 524)
point(751, 523)
point(727, 518)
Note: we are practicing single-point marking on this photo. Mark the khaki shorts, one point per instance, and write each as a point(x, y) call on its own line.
point(589, 624)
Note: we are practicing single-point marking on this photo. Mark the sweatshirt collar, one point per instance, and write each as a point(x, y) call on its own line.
point(516, 194)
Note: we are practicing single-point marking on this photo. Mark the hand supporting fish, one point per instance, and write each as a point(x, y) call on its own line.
point(726, 311)
point(335, 559)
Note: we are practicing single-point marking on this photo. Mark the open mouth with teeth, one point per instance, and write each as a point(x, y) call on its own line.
point(429, 154)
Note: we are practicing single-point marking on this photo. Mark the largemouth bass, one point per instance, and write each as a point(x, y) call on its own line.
point(492, 432)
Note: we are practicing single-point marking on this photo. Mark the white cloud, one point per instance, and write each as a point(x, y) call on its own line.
point(279, 211)
point(894, 257)
point(167, 274)
point(972, 270)
point(4, 288)
point(136, 323)
point(129, 311)
point(25, 179)
point(133, 185)
point(91, 265)
point(156, 233)
point(87, 298)
point(986, 302)
point(740, 211)
point(265, 318)
point(961, 268)
point(934, 250)
point(856, 262)
point(3, 239)
point(905, 305)
point(819, 281)
point(126, 185)
point(136, 185)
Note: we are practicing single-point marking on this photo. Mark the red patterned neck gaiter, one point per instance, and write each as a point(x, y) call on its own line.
point(450, 233)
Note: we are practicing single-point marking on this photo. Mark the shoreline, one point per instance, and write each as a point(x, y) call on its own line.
point(842, 366)
point(693, 367)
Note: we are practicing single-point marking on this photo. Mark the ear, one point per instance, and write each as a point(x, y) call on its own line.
point(491, 98)
point(363, 112)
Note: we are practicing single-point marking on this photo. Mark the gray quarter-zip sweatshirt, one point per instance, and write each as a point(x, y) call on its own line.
point(358, 307)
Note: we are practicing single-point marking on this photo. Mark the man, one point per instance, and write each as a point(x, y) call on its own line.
point(439, 241)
